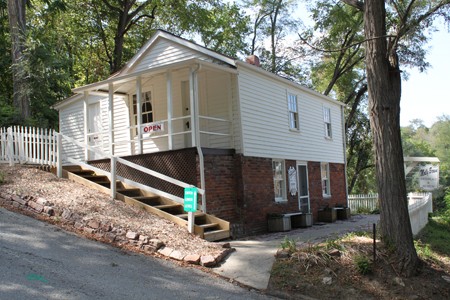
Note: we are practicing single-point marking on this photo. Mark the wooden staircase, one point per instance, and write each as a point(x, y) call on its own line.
point(206, 226)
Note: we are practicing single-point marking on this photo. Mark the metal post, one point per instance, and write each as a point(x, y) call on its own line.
point(191, 221)
point(113, 177)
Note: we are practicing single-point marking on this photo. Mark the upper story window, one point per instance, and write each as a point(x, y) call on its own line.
point(146, 108)
point(293, 112)
point(325, 174)
point(327, 121)
point(279, 181)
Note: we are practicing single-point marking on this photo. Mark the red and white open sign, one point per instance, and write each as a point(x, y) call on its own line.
point(153, 127)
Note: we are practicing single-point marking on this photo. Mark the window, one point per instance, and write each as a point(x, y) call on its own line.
point(279, 180)
point(293, 112)
point(325, 174)
point(146, 108)
point(327, 121)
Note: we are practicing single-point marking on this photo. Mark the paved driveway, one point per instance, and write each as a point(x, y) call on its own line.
point(39, 261)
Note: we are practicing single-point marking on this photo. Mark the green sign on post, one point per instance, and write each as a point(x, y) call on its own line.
point(190, 199)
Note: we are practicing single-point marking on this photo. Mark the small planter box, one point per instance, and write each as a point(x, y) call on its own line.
point(343, 213)
point(328, 215)
point(301, 220)
point(278, 223)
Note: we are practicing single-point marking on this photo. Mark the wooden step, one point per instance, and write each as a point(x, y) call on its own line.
point(97, 178)
point(208, 226)
point(185, 216)
point(216, 235)
point(167, 206)
point(149, 200)
point(83, 172)
point(129, 192)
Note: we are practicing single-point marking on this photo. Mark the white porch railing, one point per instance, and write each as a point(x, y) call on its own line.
point(27, 145)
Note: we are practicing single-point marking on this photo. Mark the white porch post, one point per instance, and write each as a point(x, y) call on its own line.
point(139, 112)
point(111, 118)
point(169, 109)
point(86, 124)
point(192, 97)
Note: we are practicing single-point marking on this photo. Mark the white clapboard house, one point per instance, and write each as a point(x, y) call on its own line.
point(253, 142)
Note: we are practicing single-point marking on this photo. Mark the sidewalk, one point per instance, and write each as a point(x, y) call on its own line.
point(252, 261)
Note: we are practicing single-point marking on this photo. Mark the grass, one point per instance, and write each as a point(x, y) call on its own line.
point(434, 237)
point(2, 177)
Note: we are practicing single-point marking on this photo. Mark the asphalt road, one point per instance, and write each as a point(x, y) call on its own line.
point(40, 261)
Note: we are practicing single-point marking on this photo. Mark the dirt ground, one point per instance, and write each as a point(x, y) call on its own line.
point(90, 204)
point(335, 271)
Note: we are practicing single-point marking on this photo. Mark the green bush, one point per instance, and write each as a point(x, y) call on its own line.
point(289, 244)
point(363, 264)
point(2, 177)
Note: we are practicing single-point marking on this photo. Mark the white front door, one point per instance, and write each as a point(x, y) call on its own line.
point(303, 191)
point(95, 129)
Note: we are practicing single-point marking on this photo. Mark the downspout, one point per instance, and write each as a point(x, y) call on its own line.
point(344, 146)
point(195, 121)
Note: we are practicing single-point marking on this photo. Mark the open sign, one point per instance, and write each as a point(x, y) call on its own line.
point(154, 127)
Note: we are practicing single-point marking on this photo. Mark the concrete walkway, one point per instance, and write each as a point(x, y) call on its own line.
point(252, 261)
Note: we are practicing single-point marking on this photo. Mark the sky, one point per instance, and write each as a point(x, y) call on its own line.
point(425, 95)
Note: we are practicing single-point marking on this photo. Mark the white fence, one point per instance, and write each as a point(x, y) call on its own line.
point(419, 206)
point(30, 145)
point(366, 203)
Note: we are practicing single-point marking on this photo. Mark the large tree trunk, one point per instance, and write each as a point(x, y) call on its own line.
point(16, 15)
point(384, 85)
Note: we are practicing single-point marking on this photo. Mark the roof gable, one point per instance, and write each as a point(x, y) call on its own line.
point(165, 48)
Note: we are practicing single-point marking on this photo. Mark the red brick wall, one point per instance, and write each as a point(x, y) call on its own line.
point(240, 190)
point(337, 186)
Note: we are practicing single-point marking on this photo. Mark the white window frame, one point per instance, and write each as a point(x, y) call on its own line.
point(327, 122)
point(325, 178)
point(294, 122)
point(279, 179)
point(146, 94)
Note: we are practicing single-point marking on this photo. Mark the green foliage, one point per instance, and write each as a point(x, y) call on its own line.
point(363, 265)
point(289, 244)
point(2, 177)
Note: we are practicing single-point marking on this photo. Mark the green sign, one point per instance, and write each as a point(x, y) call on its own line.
point(190, 199)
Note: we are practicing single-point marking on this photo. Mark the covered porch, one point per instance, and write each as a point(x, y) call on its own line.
point(181, 105)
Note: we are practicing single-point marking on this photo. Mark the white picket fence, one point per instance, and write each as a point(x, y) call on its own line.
point(368, 202)
point(31, 145)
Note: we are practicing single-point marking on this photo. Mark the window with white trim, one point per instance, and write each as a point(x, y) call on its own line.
point(327, 121)
point(279, 180)
point(146, 108)
point(325, 175)
point(293, 112)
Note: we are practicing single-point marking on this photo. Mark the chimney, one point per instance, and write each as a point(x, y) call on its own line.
point(253, 60)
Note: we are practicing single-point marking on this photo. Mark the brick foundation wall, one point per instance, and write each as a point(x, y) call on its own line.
point(337, 186)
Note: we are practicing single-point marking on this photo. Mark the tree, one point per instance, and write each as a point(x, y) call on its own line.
point(406, 19)
point(17, 27)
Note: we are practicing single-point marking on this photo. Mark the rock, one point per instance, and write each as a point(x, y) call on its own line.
point(335, 253)
point(156, 244)
point(131, 235)
point(106, 227)
point(177, 255)
point(207, 261)
point(43, 202)
point(226, 245)
point(143, 239)
point(399, 281)
point(282, 253)
point(166, 251)
point(327, 280)
point(327, 271)
point(192, 259)
point(446, 278)
point(219, 257)
point(93, 224)
point(110, 237)
point(49, 210)
point(89, 230)
point(19, 200)
point(67, 214)
point(35, 206)
point(78, 225)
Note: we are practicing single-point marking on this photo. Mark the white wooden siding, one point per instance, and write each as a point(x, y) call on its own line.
point(71, 123)
point(265, 123)
point(165, 52)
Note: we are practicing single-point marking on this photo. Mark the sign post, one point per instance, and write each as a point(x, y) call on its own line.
point(190, 206)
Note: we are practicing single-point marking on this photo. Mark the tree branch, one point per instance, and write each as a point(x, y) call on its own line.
point(359, 5)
